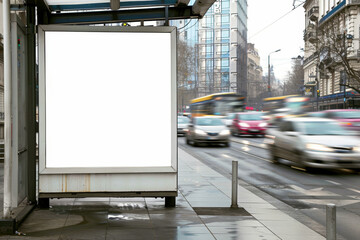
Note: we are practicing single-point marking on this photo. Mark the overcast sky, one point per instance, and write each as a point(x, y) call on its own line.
point(285, 34)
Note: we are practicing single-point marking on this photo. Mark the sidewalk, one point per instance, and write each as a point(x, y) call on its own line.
point(202, 212)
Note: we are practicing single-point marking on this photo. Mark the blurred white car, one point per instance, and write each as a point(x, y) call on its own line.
point(207, 130)
point(314, 143)
point(182, 125)
point(228, 119)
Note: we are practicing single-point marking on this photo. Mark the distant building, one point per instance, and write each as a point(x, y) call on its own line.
point(256, 84)
point(329, 24)
point(220, 43)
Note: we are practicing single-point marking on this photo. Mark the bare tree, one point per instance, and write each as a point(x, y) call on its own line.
point(295, 80)
point(336, 52)
point(185, 73)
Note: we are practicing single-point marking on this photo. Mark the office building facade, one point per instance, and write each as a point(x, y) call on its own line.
point(220, 44)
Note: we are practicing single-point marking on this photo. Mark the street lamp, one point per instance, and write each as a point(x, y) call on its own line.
point(269, 87)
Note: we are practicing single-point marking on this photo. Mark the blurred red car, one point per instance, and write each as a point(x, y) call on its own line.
point(248, 123)
point(349, 118)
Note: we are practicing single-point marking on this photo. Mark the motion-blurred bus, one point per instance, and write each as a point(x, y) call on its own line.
point(218, 104)
point(276, 108)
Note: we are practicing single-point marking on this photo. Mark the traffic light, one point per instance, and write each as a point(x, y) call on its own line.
point(318, 92)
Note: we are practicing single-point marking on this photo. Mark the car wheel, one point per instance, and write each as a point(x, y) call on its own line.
point(227, 144)
point(274, 157)
point(187, 141)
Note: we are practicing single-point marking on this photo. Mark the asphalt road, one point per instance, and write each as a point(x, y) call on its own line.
point(307, 192)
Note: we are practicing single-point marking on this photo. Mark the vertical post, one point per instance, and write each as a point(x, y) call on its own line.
point(330, 221)
point(8, 113)
point(31, 99)
point(269, 91)
point(166, 16)
point(317, 97)
point(345, 53)
point(213, 48)
point(234, 184)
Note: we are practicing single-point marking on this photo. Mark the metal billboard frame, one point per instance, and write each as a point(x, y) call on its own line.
point(73, 182)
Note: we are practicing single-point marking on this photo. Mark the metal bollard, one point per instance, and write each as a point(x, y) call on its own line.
point(330, 221)
point(234, 185)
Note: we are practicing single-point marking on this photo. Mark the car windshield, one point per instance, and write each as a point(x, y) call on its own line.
point(322, 128)
point(347, 114)
point(183, 120)
point(230, 116)
point(251, 117)
point(316, 114)
point(209, 122)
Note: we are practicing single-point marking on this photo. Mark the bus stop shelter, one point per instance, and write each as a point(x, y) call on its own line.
point(22, 24)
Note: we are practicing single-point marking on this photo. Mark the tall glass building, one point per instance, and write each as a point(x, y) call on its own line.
point(220, 43)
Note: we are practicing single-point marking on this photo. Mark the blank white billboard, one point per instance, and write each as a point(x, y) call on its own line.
point(108, 99)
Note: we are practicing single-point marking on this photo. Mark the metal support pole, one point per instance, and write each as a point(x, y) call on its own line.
point(330, 221)
point(166, 16)
point(269, 88)
point(31, 99)
point(234, 185)
point(345, 53)
point(8, 113)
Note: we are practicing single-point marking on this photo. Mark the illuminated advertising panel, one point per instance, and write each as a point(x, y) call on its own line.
point(107, 99)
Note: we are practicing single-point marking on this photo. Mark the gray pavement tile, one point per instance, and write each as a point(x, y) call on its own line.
point(244, 230)
point(127, 199)
point(116, 233)
point(245, 237)
point(43, 220)
point(209, 203)
point(62, 202)
point(85, 232)
point(92, 203)
point(53, 237)
point(229, 221)
point(300, 237)
point(163, 210)
point(129, 221)
point(93, 199)
point(174, 220)
point(181, 234)
point(119, 207)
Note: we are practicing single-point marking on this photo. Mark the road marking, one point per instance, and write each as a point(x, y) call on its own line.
point(246, 149)
point(246, 153)
point(245, 142)
point(333, 182)
point(313, 191)
point(299, 168)
point(354, 190)
point(225, 155)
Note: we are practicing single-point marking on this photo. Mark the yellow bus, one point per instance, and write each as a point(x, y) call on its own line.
point(217, 104)
point(276, 108)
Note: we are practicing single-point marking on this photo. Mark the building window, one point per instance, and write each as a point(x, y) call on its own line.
point(224, 62)
point(225, 5)
point(225, 18)
point(224, 79)
point(342, 80)
point(209, 64)
point(208, 35)
point(224, 48)
point(225, 33)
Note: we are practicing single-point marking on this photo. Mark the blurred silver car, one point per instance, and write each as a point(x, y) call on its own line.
point(207, 130)
point(314, 143)
point(228, 120)
point(182, 125)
